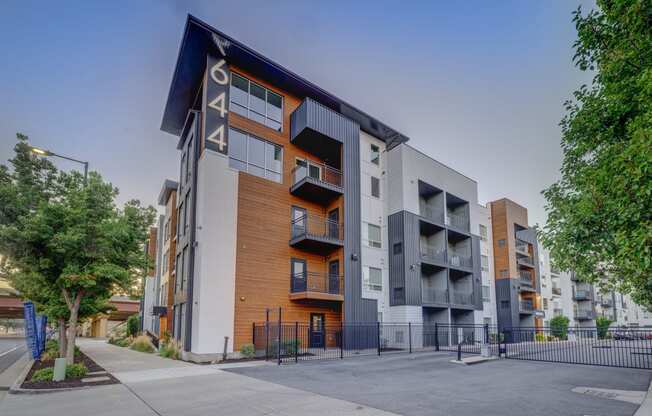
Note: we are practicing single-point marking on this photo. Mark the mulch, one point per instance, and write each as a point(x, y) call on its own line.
point(91, 365)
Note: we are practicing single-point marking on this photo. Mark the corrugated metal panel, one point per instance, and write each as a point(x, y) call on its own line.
point(412, 269)
point(503, 294)
point(477, 276)
point(328, 122)
point(396, 261)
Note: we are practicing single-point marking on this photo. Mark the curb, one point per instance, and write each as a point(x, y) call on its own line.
point(646, 407)
point(21, 377)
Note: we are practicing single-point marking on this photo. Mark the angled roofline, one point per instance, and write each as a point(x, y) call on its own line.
point(197, 42)
point(168, 186)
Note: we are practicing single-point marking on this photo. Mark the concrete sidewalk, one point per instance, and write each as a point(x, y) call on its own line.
point(155, 386)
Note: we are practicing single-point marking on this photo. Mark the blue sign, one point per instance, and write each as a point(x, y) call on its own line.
point(34, 330)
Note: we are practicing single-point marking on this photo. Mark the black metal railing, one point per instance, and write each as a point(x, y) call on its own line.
point(527, 260)
point(316, 171)
point(613, 347)
point(462, 297)
point(332, 284)
point(526, 306)
point(457, 259)
point(311, 225)
point(584, 314)
point(431, 295)
point(580, 294)
point(301, 341)
point(522, 246)
point(432, 253)
point(526, 279)
point(556, 291)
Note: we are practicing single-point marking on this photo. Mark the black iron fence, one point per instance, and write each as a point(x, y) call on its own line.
point(613, 347)
point(298, 341)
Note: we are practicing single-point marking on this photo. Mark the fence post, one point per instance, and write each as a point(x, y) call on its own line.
point(459, 350)
point(278, 344)
point(378, 336)
point(296, 342)
point(253, 334)
point(486, 333)
point(341, 340)
point(410, 335)
point(436, 337)
point(266, 334)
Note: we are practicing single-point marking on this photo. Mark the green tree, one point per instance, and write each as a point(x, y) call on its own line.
point(600, 211)
point(559, 327)
point(602, 326)
point(72, 249)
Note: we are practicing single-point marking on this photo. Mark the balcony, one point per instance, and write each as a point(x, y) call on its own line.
point(457, 222)
point(317, 234)
point(556, 291)
point(525, 261)
point(460, 260)
point(607, 302)
point(525, 279)
point(432, 214)
point(316, 286)
point(584, 315)
point(557, 312)
point(432, 254)
point(582, 295)
point(430, 296)
point(522, 247)
point(462, 298)
point(526, 307)
point(316, 181)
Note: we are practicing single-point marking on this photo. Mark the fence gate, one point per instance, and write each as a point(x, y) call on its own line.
point(315, 340)
point(612, 347)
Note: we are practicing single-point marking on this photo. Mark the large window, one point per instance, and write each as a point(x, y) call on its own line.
point(374, 236)
point(256, 102)
point(374, 154)
point(374, 278)
point(484, 263)
point(375, 187)
point(253, 155)
point(486, 293)
point(483, 232)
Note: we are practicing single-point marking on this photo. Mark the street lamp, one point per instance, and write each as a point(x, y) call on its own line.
point(43, 152)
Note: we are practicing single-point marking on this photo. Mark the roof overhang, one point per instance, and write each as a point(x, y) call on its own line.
point(199, 40)
point(168, 186)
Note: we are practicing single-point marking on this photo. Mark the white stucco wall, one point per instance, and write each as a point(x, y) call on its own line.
point(482, 215)
point(214, 284)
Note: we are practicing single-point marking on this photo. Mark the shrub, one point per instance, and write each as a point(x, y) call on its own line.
point(248, 351)
point(291, 347)
point(169, 349)
point(72, 371)
point(540, 338)
point(142, 344)
point(559, 327)
point(133, 325)
point(120, 342)
point(52, 350)
point(602, 323)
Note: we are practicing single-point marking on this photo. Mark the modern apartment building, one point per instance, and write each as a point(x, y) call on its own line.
point(483, 216)
point(149, 283)
point(434, 250)
point(516, 266)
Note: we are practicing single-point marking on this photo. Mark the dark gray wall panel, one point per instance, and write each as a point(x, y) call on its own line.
point(396, 261)
point(412, 259)
point(477, 276)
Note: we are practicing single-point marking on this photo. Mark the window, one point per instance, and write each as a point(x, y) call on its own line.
point(182, 172)
point(186, 215)
point(484, 262)
point(190, 152)
point(180, 215)
point(399, 295)
point(483, 232)
point(504, 304)
point(374, 278)
point(486, 293)
point(504, 273)
point(501, 243)
point(373, 236)
point(545, 303)
point(487, 321)
point(164, 267)
point(374, 154)
point(179, 273)
point(398, 248)
point(185, 261)
point(375, 187)
point(256, 102)
point(256, 156)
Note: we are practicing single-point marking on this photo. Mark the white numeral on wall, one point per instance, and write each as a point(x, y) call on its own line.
point(219, 104)
point(218, 74)
point(217, 137)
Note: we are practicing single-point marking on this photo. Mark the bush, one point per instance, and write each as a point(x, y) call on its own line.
point(602, 323)
point(559, 327)
point(142, 344)
point(120, 342)
point(133, 325)
point(72, 371)
point(540, 338)
point(248, 351)
point(169, 349)
point(291, 347)
point(52, 350)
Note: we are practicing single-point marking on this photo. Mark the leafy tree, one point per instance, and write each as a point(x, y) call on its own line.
point(71, 249)
point(600, 211)
point(559, 327)
point(602, 326)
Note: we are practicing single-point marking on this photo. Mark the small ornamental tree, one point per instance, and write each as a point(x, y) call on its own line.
point(559, 327)
point(602, 326)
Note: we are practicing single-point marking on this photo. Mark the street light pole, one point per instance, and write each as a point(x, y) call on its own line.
point(44, 152)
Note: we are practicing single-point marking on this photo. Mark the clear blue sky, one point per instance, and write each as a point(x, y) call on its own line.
point(469, 82)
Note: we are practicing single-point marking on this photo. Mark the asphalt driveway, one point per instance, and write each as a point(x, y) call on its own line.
point(428, 384)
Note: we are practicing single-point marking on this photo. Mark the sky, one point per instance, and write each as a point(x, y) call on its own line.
point(477, 85)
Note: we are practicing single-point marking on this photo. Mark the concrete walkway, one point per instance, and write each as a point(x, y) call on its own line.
point(156, 386)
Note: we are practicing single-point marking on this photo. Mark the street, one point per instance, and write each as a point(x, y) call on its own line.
point(10, 350)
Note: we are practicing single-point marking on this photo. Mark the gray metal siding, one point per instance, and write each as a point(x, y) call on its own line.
point(322, 119)
point(396, 261)
point(411, 252)
point(503, 293)
point(477, 276)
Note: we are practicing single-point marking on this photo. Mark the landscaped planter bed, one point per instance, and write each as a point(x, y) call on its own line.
point(68, 383)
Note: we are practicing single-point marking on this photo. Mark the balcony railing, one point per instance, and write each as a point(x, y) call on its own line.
point(607, 302)
point(462, 298)
point(432, 253)
point(582, 295)
point(522, 246)
point(526, 260)
point(556, 291)
point(581, 315)
point(432, 213)
point(526, 306)
point(460, 222)
point(526, 280)
point(326, 283)
point(316, 171)
point(429, 295)
point(457, 259)
point(557, 312)
point(314, 226)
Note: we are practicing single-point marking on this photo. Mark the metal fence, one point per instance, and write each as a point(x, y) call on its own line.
point(299, 341)
point(613, 347)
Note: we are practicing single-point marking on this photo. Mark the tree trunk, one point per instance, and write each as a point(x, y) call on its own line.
point(62, 338)
point(73, 306)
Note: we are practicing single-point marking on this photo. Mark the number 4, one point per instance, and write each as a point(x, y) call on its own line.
point(217, 137)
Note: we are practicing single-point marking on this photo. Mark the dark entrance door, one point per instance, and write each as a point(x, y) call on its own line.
point(334, 224)
point(317, 329)
point(334, 277)
point(298, 276)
